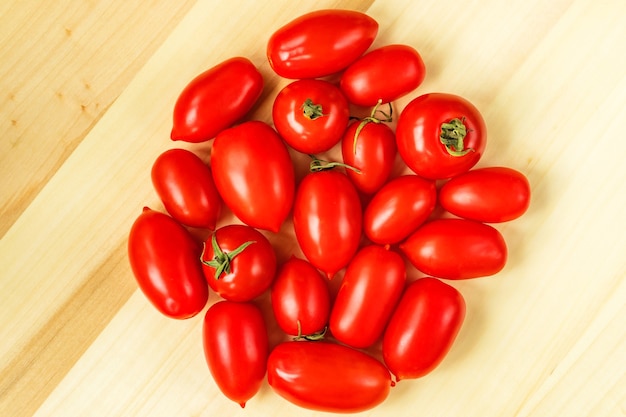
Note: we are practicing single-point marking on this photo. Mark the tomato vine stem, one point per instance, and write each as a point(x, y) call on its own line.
point(318, 165)
point(372, 119)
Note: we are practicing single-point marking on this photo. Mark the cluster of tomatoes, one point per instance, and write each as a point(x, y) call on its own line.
point(350, 215)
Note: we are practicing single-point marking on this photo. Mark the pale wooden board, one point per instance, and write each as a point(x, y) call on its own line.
point(545, 337)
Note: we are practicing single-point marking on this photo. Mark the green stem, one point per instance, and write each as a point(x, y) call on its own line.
point(221, 260)
point(372, 119)
point(318, 165)
point(452, 136)
point(310, 337)
point(311, 110)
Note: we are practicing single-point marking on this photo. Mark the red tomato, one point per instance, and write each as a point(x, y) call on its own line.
point(398, 209)
point(372, 152)
point(310, 115)
point(236, 348)
point(422, 328)
point(386, 74)
point(327, 220)
point(300, 299)
point(456, 249)
point(185, 185)
point(368, 294)
point(440, 135)
point(320, 43)
point(254, 174)
point(216, 99)
point(327, 377)
point(491, 195)
point(164, 259)
point(239, 262)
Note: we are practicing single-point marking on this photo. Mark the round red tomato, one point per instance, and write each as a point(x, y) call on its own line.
point(310, 115)
point(239, 262)
point(327, 377)
point(368, 294)
point(185, 185)
point(456, 249)
point(300, 299)
point(164, 259)
point(399, 208)
point(327, 220)
point(422, 328)
point(386, 73)
point(320, 43)
point(440, 135)
point(372, 151)
point(491, 195)
point(254, 174)
point(236, 348)
point(216, 99)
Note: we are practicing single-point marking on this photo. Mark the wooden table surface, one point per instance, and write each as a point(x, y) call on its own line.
point(86, 96)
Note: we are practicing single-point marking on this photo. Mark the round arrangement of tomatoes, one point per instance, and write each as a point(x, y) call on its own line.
point(333, 233)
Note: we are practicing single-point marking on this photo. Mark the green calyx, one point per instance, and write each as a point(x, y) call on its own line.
point(452, 136)
point(311, 110)
point(387, 117)
point(221, 260)
point(318, 165)
point(310, 337)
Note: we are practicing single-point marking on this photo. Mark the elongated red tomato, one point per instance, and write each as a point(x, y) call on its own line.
point(185, 185)
point(398, 209)
point(423, 328)
point(216, 99)
point(368, 294)
point(327, 220)
point(310, 115)
point(254, 174)
point(327, 377)
point(236, 348)
point(164, 259)
point(300, 299)
point(440, 135)
point(386, 73)
point(456, 249)
point(320, 43)
point(491, 195)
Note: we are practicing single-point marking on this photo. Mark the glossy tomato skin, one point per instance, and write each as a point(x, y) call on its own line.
point(236, 348)
point(369, 292)
point(310, 115)
point(327, 220)
point(386, 73)
point(164, 259)
point(419, 129)
point(423, 328)
point(399, 208)
point(300, 298)
point(374, 155)
point(254, 174)
point(456, 249)
point(250, 272)
point(216, 99)
point(327, 377)
point(490, 195)
point(320, 43)
point(185, 185)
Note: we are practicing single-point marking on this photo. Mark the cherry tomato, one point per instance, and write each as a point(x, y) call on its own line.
point(422, 328)
point(216, 99)
point(399, 208)
point(440, 135)
point(254, 174)
point(310, 115)
point(236, 348)
point(368, 294)
point(320, 43)
point(386, 73)
point(456, 249)
point(327, 220)
point(185, 185)
point(239, 262)
point(372, 151)
point(300, 299)
point(164, 259)
point(490, 195)
point(327, 377)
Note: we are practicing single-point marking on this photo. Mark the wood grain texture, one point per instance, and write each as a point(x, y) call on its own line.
point(87, 93)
